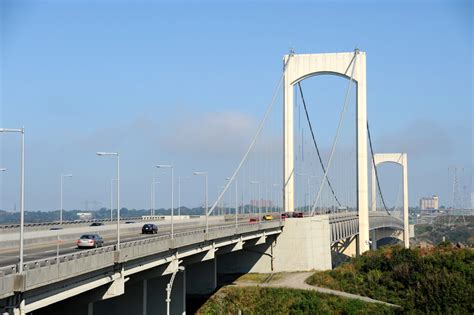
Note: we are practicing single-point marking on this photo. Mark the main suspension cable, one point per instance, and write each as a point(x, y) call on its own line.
point(254, 140)
point(341, 119)
point(375, 169)
point(316, 144)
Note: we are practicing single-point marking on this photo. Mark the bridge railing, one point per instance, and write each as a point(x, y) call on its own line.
point(53, 269)
point(6, 228)
point(344, 225)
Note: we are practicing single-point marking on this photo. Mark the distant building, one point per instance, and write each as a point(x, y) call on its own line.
point(84, 215)
point(429, 203)
point(263, 203)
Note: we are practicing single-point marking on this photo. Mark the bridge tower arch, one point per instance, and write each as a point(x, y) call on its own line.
point(300, 67)
point(399, 159)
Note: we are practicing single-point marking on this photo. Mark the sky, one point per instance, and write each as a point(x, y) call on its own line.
point(187, 82)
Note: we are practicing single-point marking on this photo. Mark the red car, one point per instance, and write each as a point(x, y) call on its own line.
point(253, 220)
point(298, 214)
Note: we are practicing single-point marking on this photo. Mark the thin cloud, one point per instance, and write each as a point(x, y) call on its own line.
point(216, 134)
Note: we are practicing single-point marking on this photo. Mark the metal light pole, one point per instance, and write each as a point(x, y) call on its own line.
point(222, 206)
point(112, 198)
point(3, 169)
point(172, 197)
point(256, 182)
point(169, 287)
point(22, 190)
point(61, 210)
point(207, 215)
point(279, 211)
point(118, 191)
point(236, 200)
point(179, 193)
point(271, 198)
point(153, 196)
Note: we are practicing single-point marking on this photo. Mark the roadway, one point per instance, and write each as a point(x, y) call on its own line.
point(48, 249)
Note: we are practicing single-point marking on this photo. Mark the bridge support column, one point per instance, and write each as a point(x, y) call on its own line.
point(352, 249)
point(201, 278)
point(288, 140)
point(362, 157)
point(406, 228)
point(16, 309)
point(373, 240)
point(391, 236)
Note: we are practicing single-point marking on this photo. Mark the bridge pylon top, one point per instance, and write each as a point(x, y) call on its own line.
point(301, 66)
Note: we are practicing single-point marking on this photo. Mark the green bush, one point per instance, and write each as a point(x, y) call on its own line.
point(438, 281)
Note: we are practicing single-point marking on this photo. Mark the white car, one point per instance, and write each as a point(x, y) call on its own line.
point(90, 241)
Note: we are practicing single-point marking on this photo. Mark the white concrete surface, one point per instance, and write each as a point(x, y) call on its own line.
point(402, 160)
point(303, 245)
point(300, 67)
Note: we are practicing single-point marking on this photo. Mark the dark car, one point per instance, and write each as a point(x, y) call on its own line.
point(149, 229)
point(90, 241)
point(97, 224)
point(298, 214)
point(285, 215)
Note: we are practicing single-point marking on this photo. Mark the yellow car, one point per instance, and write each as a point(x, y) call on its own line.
point(267, 217)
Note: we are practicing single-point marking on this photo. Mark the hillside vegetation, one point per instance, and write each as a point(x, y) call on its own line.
point(265, 300)
point(439, 280)
point(460, 230)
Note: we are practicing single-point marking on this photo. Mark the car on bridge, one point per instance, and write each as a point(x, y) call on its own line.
point(149, 228)
point(90, 241)
point(267, 217)
point(96, 224)
point(298, 214)
point(253, 220)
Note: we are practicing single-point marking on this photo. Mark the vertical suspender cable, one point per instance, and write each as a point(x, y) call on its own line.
point(254, 140)
point(341, 119)
point(315, 143)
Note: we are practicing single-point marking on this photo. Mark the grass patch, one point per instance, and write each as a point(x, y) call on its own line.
point(265, 300)
point(260, 277)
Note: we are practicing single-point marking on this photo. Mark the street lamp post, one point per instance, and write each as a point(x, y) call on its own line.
point(112, 198)
point(61, 210)
point(118, 191)
point(206, 200)
point(236, 200)
point(169, 287)
point(256, 182)
point(3, 169)
point(153, 196)
point(172, 197)
point(307, 195)
point(179, 193)
point(22, 190)
point(277, 197)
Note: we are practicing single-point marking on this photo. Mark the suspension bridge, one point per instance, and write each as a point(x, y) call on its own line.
point(315, 200)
